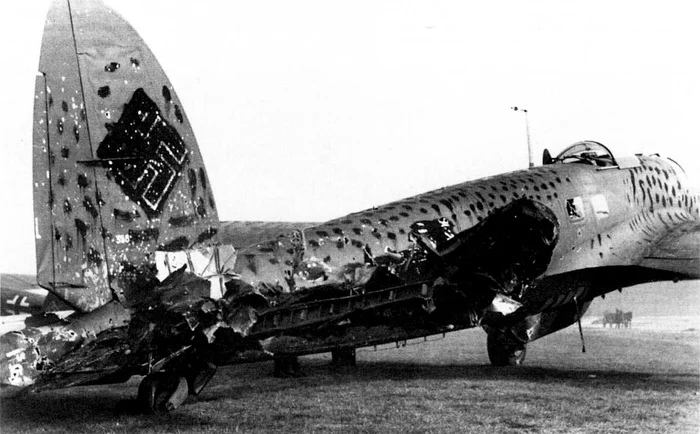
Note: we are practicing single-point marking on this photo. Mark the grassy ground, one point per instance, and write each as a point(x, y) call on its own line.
point(629, 380)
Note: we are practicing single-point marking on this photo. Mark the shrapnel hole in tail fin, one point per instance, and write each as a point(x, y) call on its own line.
point(118, 173)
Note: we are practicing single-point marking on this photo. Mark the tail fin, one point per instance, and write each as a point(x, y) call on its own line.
point(117, 171)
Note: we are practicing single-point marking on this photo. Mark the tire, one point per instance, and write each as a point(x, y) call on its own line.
point(155, 391)
point(504, 351)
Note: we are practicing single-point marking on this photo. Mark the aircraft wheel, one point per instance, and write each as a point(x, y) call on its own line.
point(161, 392)
point(504, 351)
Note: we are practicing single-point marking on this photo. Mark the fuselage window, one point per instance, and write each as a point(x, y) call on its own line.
point(574, 208)
point(600, 206)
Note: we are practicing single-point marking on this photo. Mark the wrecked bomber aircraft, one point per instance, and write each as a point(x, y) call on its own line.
point(127, 235)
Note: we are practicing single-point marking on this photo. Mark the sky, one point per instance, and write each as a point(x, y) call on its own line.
point(309, 110)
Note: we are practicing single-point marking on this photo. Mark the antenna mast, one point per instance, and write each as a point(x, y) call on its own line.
point(530, 157)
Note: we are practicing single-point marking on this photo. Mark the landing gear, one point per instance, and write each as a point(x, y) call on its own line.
point(287, 366)
point(344, 356)
point(161, 392)
point(505, 351)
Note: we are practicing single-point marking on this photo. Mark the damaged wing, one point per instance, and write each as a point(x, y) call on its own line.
point(678, 251)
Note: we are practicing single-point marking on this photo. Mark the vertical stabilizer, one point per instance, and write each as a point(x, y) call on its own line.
point(118, 174)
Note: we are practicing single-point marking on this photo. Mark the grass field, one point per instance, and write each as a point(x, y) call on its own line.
point(629, 380)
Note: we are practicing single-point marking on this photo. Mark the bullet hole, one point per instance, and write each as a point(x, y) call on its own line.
point(357, 231)
point(480, 206)
point(395, 218)
point(337, 231)
point(125, 215)
point(90, 207)
point(423, 210)
point(178, 114)
point(391, 235)
point(82, 181)
point(407, 207)
point(65, 152)
point(104, 91)
point(203, 178)
point(192, 178)
point(166, 94)
point(273, 261)
point(64, 106)
point(94, 258)
point(402, 231)
point(366, 221)
point(467, 213)
point(404, 214)
point(322, 234)
point(210, 232)
point(376, 234)
point(175, 221)
point(81, 229)
point(61, 179)
point(112, 66)
point(503, 198)
point(201, 209)
point(356, 243)
point(436, 208)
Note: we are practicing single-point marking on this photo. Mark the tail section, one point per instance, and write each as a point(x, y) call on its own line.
point(118, 174)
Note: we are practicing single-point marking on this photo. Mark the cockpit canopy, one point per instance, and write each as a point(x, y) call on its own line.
point(586, 152)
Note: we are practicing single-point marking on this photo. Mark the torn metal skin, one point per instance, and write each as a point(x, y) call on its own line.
point(446, 281)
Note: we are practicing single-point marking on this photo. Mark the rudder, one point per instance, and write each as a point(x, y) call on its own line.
point(118, 173)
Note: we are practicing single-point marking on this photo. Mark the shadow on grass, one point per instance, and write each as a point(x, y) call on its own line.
point(319, 373)
point(86, 410)
point(112, 408)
